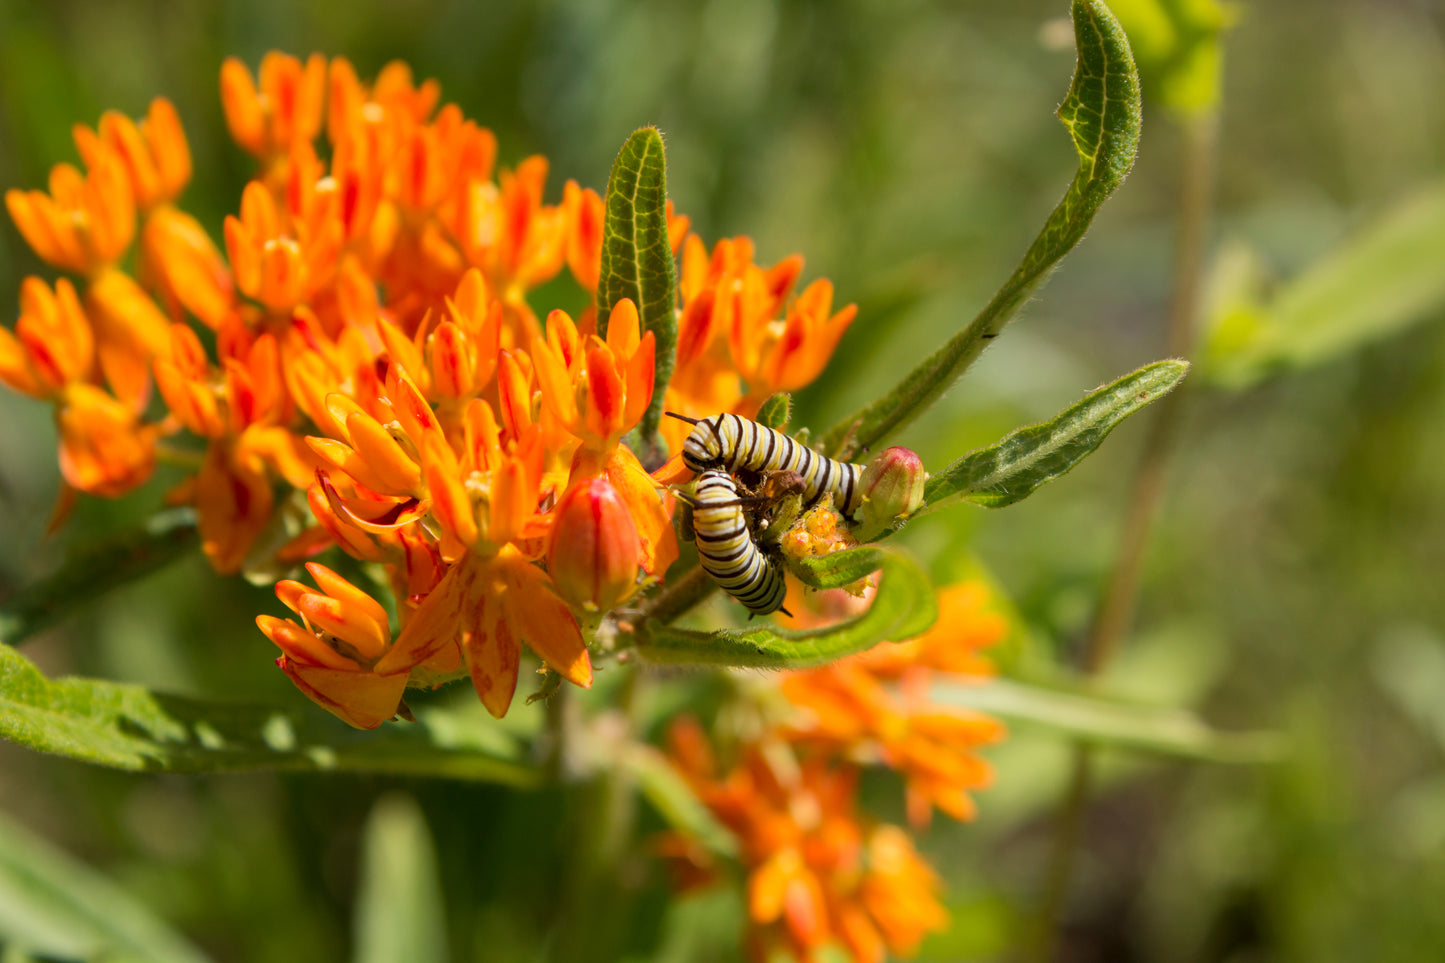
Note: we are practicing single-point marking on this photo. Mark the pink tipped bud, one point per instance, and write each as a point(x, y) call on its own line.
point(595, 547)
point(892, 489)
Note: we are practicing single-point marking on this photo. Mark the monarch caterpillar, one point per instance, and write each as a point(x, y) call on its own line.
point(726, 549)
point(731, 442)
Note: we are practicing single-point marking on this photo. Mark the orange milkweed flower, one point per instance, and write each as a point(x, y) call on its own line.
point(817, 875)
point(104, 449)
point(848, 708)
point(279, 260)
point(597, 389)
point(85, 222)
point(341, 654)
point(180, 262)
point(733, 349)
point(491, 605)
point(52, 345)
point(154, 154)
point(270, 114)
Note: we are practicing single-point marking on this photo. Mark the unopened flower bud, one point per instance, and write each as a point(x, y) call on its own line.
point(892, 489)
point(595, 546)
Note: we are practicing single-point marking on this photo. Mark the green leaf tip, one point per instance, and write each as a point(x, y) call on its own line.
point(776, 412)
point(1012, 468)
point(904, 606)
point(1102, 116)
point(637, 255)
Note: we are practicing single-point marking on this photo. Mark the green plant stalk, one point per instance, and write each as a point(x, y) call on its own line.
point(1102, 116)
point(1200, 136)
point(95, 570)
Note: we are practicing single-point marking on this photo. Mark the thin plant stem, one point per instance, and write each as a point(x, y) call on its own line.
point(680, 595)
point(1120, 596)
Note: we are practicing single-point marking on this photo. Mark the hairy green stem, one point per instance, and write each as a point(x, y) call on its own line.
point(1121, 592)
point(678, 598)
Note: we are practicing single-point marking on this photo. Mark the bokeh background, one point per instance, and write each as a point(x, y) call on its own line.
point(909, 150)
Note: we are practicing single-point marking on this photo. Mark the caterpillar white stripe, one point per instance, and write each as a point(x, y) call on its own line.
point(729, 442)
point(726, 549)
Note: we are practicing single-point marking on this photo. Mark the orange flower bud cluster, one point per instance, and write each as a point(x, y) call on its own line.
point(363, 345)
point(819, 873)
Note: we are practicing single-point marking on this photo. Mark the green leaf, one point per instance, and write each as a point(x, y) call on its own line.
point(129, 727)
point(1176, 44)
point(776, 411)
point(904, 606)
point(57, 907)
point(1009, 470)
point(637, 255)
point(398, 912)
point(1387, 277)
point(674, 799)
point(95, 570)
point(1101, 113)
point(1109, 722)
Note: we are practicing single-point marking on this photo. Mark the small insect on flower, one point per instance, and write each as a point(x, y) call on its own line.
point(730, 442)
point(726, 548)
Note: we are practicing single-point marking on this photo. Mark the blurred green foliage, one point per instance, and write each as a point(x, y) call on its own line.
point(909, 150)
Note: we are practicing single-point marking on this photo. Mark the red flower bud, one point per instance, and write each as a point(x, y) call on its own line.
point(595, 547)
point(892, 489)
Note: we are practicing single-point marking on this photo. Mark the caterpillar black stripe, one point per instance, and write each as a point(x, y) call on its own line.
point(726, 549)
point(729, 442)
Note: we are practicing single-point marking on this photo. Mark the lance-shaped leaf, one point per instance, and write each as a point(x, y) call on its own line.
point(129, 727)
point(1387, 277)
point(95, 570)
point(1109, 722)
point(904, 606)
point(60, 909)
point(1010, 469)
point(1101, 113)
point(399, 902)
point(637, 255)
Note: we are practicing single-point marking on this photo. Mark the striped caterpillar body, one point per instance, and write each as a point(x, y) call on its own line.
point(728, 442)
point(726, 549)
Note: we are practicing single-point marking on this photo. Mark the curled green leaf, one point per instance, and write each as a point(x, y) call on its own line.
point(1010, 469)
point(1101, 113)
point(903, 607)
point(637, 255)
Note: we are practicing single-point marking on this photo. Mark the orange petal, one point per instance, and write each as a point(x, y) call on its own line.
point(544, 621)
point(361, 699)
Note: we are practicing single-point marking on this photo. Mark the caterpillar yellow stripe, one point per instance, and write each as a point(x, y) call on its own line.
point(726, 549)
point(729, 442)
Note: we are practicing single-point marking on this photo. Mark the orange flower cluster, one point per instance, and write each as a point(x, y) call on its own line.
point(358, 364)
point(818, 874)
